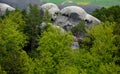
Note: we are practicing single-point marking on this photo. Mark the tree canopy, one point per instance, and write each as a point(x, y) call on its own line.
point(25, 48)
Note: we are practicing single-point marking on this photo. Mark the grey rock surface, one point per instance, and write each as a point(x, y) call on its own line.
point(4, 7)
point(72, 15)
point(51, 8)
point(75, 44)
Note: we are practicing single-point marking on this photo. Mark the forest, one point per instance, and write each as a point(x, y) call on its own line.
point(25, 48)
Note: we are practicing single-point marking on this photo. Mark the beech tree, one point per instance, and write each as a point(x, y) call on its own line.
point(101, 57)
point(12, 58)
point(55, 51)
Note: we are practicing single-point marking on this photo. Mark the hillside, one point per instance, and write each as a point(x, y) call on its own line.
point(24, 4)
point(86, 2)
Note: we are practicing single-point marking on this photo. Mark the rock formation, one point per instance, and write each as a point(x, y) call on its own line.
point(66, 18)
point(51, 8)
point(4, 7)
point(72, 15)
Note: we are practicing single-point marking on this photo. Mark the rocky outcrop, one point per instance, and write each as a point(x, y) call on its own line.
point(72, 15)
point(4, 7)
point(51, 8)
point(75, 44)
point(68, 17)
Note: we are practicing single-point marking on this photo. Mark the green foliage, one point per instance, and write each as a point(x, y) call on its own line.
point(18, 62)
point(17, 18)
point(68, 70)
point(32, 29)
point(91, 2)
point(79, 31)
point(103, 41)
point(51, 53)
point(110, 68)
point(47, 17)
point(33, 20)
point(117, 40)
point(79, 28)
point(87, 42)
point(12, 40)
point(34, 15)
point(11, 37)
point(2, 71)
point(101, 57)
point(85, 62)
point(54, 48)
point(110, 14)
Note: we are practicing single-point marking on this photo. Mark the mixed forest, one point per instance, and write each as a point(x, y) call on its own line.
point(25, 48)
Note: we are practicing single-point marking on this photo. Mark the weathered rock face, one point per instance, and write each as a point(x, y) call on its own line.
point(74, 10)
point(72, 15)
point(91, 20)
point(51, 8)
point(75, 44)
point(4, 7)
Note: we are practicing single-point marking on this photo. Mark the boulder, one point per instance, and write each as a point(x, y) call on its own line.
point(92, 19)
point(51, 8)
point(72, 15)
point(4, 7)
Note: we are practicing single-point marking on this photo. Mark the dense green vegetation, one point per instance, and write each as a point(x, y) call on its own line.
point(25, 48)
point(84, 2)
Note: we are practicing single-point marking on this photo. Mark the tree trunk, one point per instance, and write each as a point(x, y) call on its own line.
point(32, 38)
point(78, 38)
